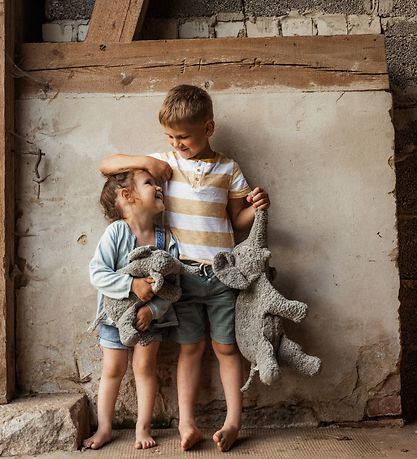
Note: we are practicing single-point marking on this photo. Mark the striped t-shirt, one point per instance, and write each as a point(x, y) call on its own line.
point(195, 203)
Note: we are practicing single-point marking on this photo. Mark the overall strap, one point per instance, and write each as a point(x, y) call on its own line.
point(160, 237)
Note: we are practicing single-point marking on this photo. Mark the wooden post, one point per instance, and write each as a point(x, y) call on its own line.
point(116, 21)
point(7, 322)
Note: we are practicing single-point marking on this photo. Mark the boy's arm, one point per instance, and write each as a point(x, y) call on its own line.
point(116, 164)
point(242, 210)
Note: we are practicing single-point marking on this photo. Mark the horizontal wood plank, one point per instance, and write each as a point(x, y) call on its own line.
point(334, 63)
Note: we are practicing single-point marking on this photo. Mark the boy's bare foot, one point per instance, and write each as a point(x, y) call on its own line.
point(99, 439)
point(225, 437)
point(190, 436)
point(144, 439)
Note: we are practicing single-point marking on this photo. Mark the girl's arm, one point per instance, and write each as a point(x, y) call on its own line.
point(103, 270)
point(104, 275)
point(115, 164)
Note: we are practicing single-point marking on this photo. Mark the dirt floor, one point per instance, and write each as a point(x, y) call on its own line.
point(329, 442)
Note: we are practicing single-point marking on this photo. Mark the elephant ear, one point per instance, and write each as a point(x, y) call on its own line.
point(225, 270)
point(141, 252)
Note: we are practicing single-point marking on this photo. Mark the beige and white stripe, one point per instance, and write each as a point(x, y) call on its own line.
point(196, 198)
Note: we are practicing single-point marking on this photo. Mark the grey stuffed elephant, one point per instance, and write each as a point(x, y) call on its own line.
point(260, 308)
point(146, 261)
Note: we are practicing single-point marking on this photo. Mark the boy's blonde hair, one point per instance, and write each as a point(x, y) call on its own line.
point(186, 103)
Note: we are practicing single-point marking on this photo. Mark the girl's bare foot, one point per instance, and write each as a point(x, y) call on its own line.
point(99, 439)
point(144, 439)
point(225, 437)
point(190, 436)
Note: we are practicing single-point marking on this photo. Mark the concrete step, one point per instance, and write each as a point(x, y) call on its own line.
point(303, 443)
point(43, 423)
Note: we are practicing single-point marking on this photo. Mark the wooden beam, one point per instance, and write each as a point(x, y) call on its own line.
point(116, 21)
point(7, 323)
point(337, 63)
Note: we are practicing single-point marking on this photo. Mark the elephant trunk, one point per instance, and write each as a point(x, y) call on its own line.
point(258, 233)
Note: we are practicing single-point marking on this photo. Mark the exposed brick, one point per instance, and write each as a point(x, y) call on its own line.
point(229, 29)
point(262, 27)
point(57, 33)
point(385, 7)
point(407, 8)
point(281, 7)
point(191, 8)
point(384, 406)
point(300, 25)
point(228, 17)
point(334, 24)
point(82, 32)
point(160, 29)
point(363, 24)
point(197, 28)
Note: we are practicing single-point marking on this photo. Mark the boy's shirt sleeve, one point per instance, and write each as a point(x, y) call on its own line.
point(103, 267)
point(239, 187)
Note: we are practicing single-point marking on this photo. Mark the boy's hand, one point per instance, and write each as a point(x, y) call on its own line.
point(143, 318)
point(161, 170)
point(259, 198)
point(142, 288)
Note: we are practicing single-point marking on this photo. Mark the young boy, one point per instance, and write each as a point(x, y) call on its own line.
point(206, 198)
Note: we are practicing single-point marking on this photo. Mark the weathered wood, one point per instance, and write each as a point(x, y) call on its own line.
point(7, 359)
point(338, 63)
point(116, 21)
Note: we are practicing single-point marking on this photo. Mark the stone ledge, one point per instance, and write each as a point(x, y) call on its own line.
point(43, 423)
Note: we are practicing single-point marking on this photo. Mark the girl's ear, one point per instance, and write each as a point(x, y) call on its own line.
point(126, 195)
point(210, 128)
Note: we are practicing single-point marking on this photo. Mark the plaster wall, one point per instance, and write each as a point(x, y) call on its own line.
point(325, 159)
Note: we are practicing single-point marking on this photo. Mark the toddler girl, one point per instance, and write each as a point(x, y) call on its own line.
point(131, 201)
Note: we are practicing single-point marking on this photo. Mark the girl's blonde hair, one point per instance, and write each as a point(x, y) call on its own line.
point(186, 103)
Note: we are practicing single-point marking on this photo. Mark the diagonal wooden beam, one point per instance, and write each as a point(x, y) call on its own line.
point(116, 21)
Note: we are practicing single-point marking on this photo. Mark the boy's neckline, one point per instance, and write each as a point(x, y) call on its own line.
point(208, 159)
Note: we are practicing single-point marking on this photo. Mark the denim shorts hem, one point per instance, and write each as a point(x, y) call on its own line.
point(224, 339)
point(111, 344)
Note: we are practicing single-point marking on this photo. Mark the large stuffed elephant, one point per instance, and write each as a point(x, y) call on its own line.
point(145, 261)
point(260, 308)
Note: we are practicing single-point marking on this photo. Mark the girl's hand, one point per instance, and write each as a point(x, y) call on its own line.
point(161, 170)
point(142, 288)
point(259, 198)
point(143, 318)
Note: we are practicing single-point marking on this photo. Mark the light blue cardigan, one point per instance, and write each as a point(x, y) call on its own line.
point(112, 254)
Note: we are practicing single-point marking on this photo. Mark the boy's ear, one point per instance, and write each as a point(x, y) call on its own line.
point(210, 128)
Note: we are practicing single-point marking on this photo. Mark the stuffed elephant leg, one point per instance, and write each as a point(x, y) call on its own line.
point(266, 362)
point(278, 305)
point(129, 336)
point(292, 355)
point(158, 281)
